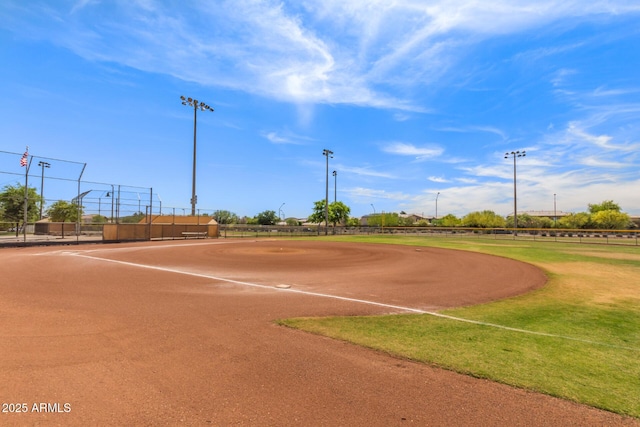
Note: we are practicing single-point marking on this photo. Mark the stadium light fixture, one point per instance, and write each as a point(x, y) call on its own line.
point(202, 107)
point(327, 154)
point(437, 204)
point(515, 155)
point(43, 165)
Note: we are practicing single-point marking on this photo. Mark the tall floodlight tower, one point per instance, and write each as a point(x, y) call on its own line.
point(202, 107)
point(327, 154)
point(515, 155)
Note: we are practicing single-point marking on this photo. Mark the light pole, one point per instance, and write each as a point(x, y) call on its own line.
point(203, 107)
point(335, 186)
point(515, 155)
point(555, 214)
point(437, 204)
point(374, 208)
point(327, 154)
point(280, 212)
point(43, 165)
point(112, 197)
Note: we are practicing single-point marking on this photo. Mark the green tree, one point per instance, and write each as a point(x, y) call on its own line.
point(132, 219)
point(225, 217)
point(353, 222)
point(610, 219)
point(338, 212)
point(449, 220)
point(63, 211)
point(406, 221)
point(318, 212)
point(266, 218)
point(607, 205)
point(12, 204)
point(527, 221)
point(390, 219)
point(575, 220)
point(99, 219)
point(484, 219)
point(545, 222)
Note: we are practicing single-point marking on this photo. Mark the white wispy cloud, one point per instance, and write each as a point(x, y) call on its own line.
point(314, 52)
point(438, 179)
point(531, 56)
point(401, 117)
point(474, 129)
point(275, 138)
point(560, 77)
point(602, 163)
point(602, 91)
point(467, 180)
point(285, 137)
point(576, 132)
point(360, 193)
point(406, 149)
point(365, 171)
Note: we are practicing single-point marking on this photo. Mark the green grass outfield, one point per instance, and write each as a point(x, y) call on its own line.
point(585, 324)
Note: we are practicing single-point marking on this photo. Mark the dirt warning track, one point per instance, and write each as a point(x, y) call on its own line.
point(175, 333)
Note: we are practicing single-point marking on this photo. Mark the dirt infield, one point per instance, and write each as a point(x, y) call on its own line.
point(182, 333)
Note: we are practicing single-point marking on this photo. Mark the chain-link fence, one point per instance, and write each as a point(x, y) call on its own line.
point(43, 196)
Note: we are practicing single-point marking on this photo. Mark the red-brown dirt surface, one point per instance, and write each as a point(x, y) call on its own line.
point(165, 334)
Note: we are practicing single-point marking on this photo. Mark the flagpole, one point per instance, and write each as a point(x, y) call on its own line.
point(26, 196)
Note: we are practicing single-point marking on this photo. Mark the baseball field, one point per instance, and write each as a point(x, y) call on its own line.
point(403, 331)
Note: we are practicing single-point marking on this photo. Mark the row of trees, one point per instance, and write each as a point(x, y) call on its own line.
point(338, 214)
point(267, 217)
point(605, 215)
point(12, 207)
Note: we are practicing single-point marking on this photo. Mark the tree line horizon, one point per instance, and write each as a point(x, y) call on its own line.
point(605, 215)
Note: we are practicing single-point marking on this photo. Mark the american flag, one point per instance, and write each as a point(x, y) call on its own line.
point(25, 157)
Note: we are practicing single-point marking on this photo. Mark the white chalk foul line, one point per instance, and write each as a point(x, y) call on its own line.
point(169, 244)
point(355, 300)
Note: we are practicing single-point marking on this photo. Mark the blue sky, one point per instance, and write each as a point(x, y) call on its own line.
point(414, 98)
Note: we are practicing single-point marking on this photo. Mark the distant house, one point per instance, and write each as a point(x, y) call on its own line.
point(413, 218)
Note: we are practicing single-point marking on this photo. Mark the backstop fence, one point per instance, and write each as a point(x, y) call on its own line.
point(47, 196)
